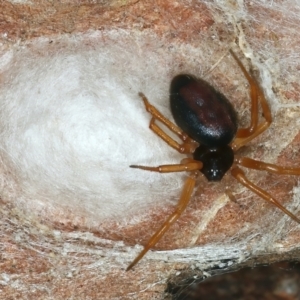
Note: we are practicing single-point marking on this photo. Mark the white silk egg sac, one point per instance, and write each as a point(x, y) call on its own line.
point(72, 122)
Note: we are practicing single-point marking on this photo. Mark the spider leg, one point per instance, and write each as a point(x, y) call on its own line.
point(245, 132)
point(187, 164)
point(271, 168)
point(188, 145)
point(182, 204)
point(245, 135)
point(240, 176)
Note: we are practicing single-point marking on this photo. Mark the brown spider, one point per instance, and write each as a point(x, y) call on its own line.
point(207, 126)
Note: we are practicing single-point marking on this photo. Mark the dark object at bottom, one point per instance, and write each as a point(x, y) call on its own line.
point(280, 281)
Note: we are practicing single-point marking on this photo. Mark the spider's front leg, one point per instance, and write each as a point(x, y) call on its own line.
point(241, 177)
point(181, 206)
point(187, 164)
point(262, 166)
point(188, 145)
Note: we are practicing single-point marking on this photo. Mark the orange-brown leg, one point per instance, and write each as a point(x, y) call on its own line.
point(271, 168)
point(245, 132)
point(182, 204)
point(245, 135)
point(187, 164)
point(188, 145)
point(240, 176)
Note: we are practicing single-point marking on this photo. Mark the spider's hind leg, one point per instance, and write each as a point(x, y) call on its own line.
point(245, 135)
point(188, 145)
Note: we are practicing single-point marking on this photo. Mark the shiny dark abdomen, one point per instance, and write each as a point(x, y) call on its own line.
point(202, 112)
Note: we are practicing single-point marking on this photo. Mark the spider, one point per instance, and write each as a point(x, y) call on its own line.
point(207, 127)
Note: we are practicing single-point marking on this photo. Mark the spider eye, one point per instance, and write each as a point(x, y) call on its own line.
point(213, 174)
point(216, 161)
